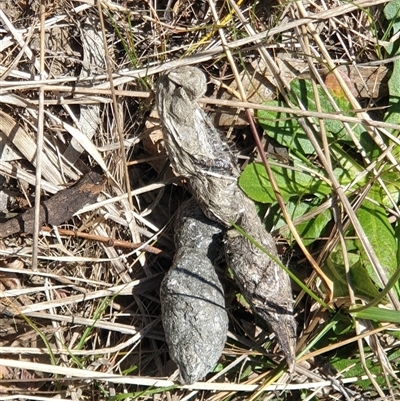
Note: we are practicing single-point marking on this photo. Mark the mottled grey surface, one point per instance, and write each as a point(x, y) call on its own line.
point(192, 298)
point(198, 152)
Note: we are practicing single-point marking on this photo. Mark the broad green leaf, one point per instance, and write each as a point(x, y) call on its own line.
point(347, 360)
point(255, 183)
point(380, 233)
point(343, 325)
point(285, 129)
point(309, 230)
point(393, 114)
point(392, 183)
point(392, 14)
point(303, 90)
point(349, 168)
point(344, 176)
point(369, 146)
point(397, 236)
point(359, 278)
point(334, 327)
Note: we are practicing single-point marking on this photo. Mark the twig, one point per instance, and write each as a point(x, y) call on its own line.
point(106, 240)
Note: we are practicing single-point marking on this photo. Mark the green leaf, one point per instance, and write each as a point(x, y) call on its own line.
point(392, 184)
point(378, 315)
point(349, 168)
point(285, 129)
point(351, 366)
point(255, 183)
point(397, 236)
point(309, 230)
point(303, 90)
point(392, 14)
point(344, 325)
point(359, 278)
point(380, 233)
point(393, 114)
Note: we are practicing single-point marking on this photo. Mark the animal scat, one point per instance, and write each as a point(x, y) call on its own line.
point(192, 299)
point(192, 140)
point(196, 146)
point(262, 282)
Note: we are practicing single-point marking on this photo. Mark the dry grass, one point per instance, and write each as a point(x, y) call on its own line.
point(80, 319)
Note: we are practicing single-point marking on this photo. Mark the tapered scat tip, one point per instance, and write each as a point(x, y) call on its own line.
point(287, 341)
point(284, 327)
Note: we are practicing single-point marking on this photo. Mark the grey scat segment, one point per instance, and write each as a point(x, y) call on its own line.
point(193, 84)
point(193, 131)
point(193, 144)
point(195, 231)
point(192, 299)
point(223, 160)
point(262, 281)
